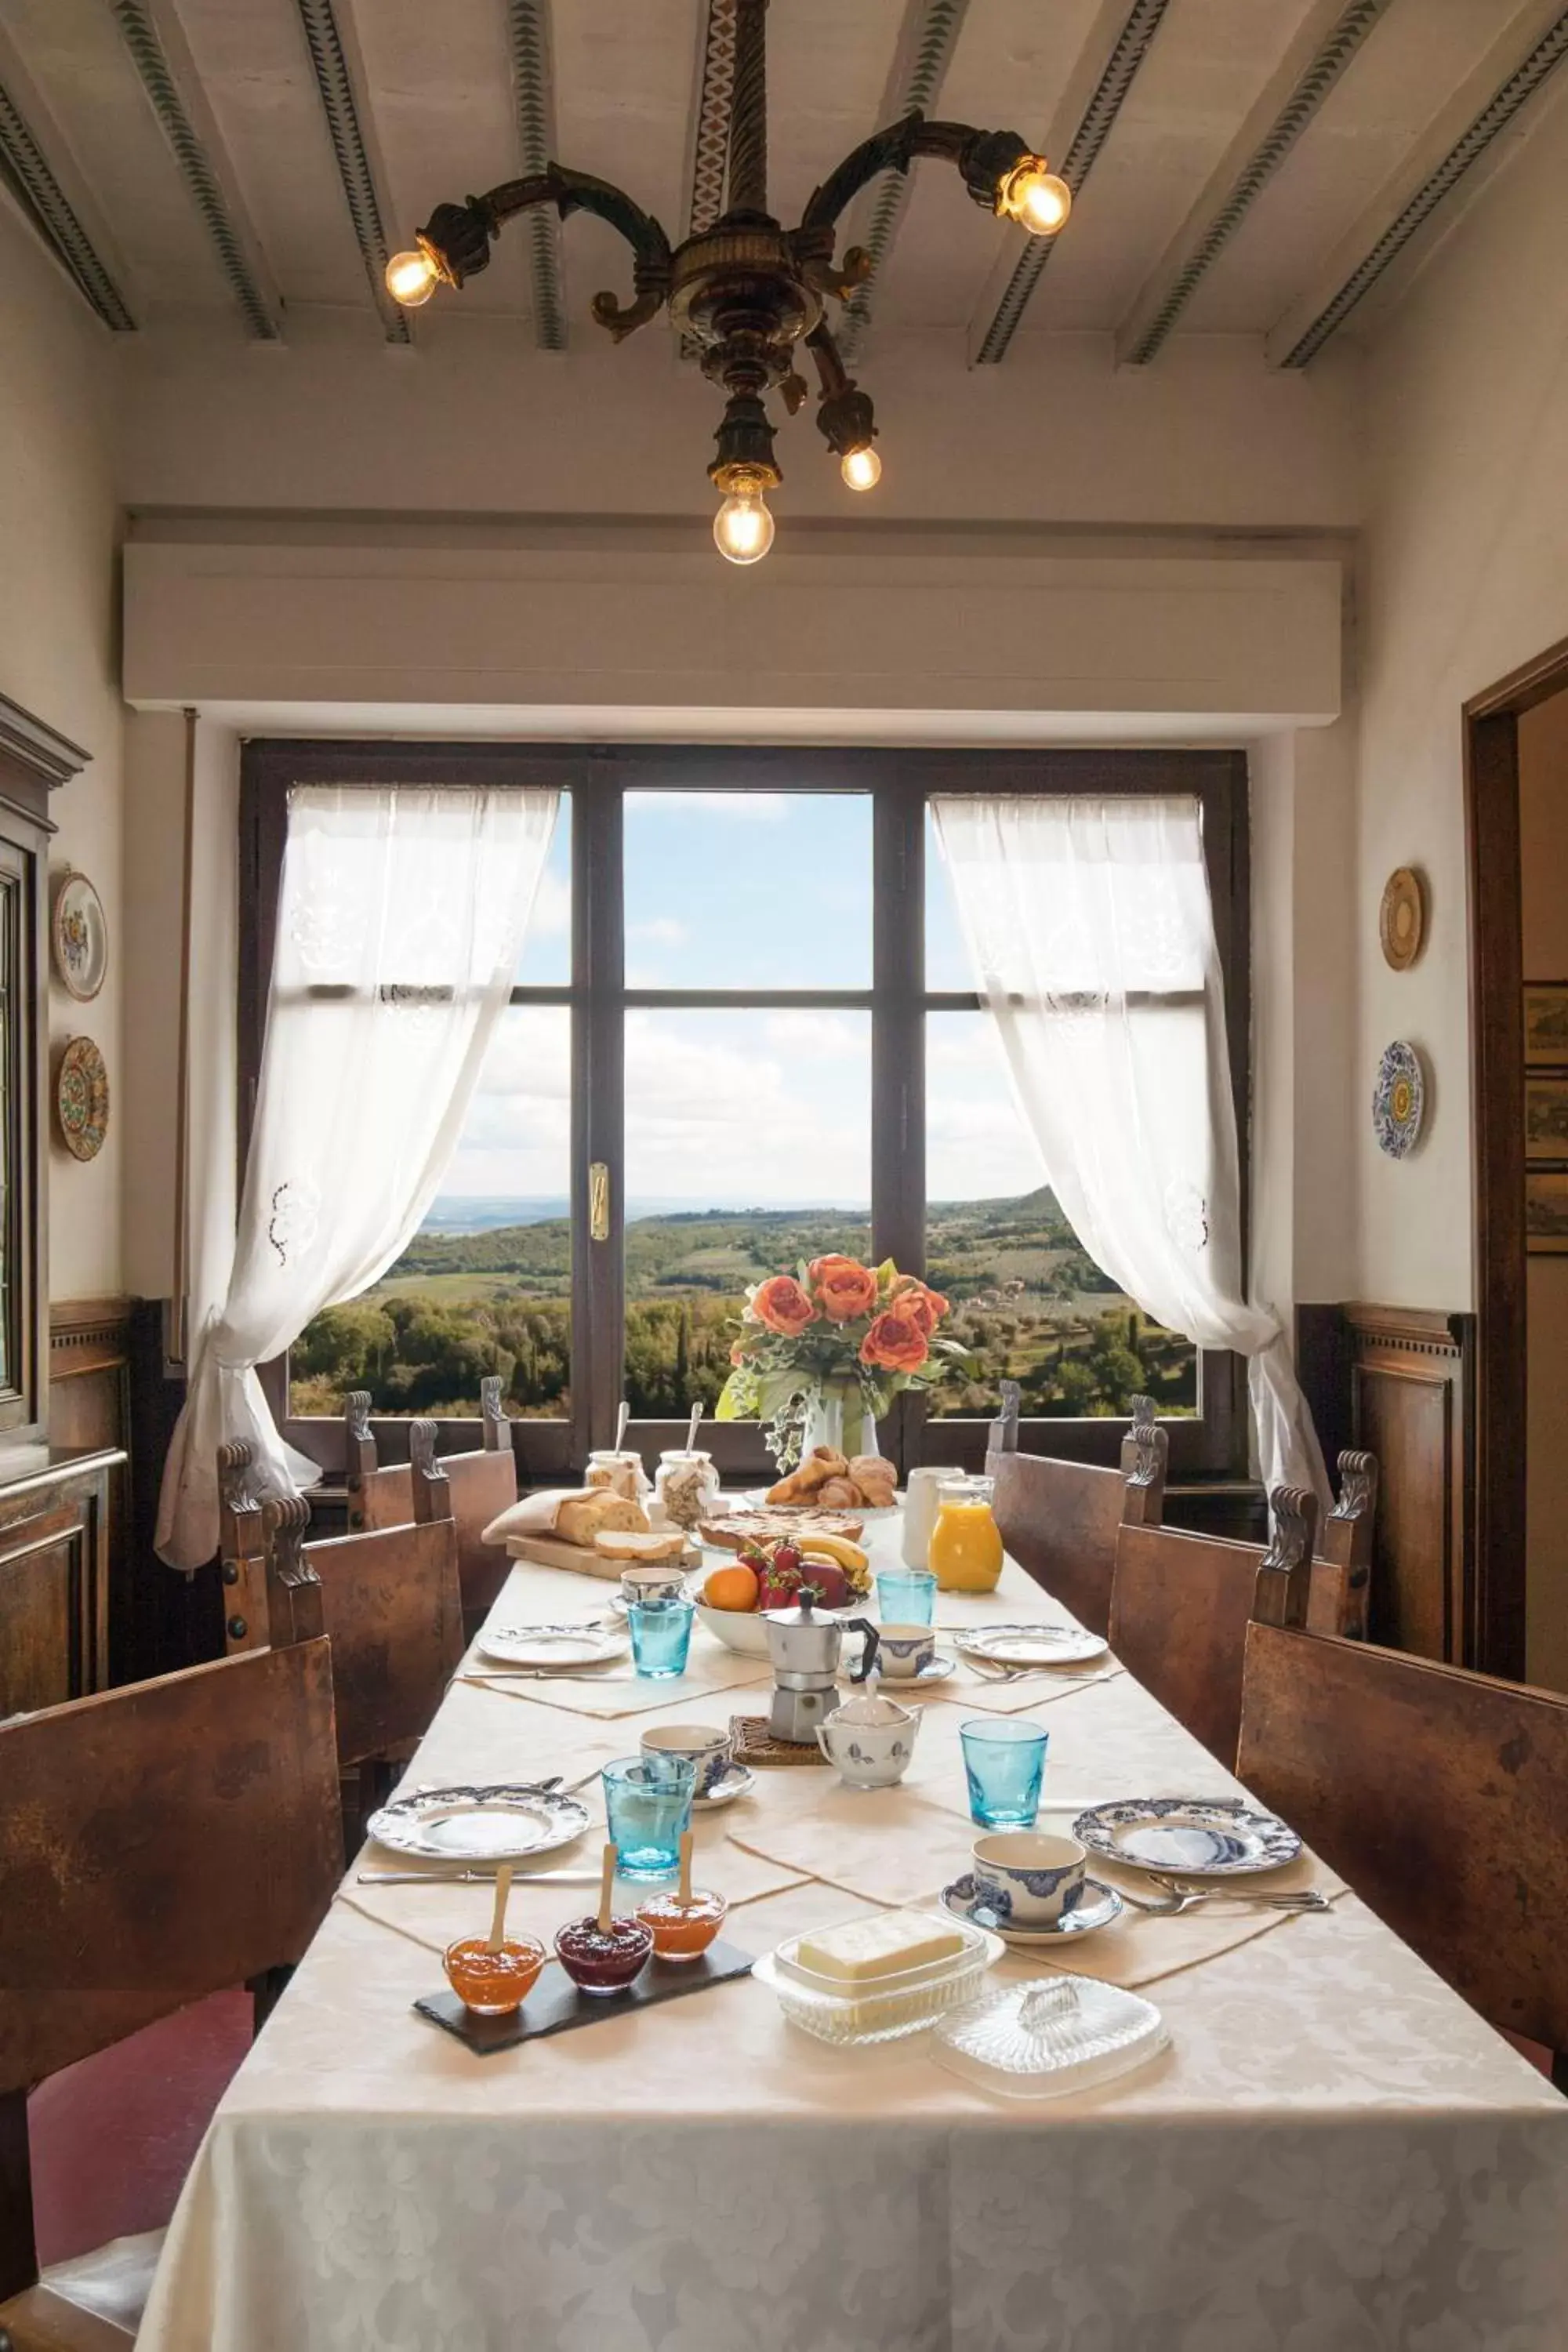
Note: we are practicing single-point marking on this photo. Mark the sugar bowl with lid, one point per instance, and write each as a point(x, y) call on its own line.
point(869, 1741)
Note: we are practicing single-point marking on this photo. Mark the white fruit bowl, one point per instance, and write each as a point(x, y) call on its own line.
point(745, 1630)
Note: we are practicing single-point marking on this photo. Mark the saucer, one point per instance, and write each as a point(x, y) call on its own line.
point(936, 1670)
point(1081, 1922)
point(738, 1781)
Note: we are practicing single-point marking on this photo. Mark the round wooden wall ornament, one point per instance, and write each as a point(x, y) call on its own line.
point(1402, 919)
point(81, 1098)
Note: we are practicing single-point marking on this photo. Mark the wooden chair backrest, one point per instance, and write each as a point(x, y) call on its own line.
point(389, 1601)
point(483, 1483)
point(242, 1552)
point(1342, 1573)
point(1060, 1520)
point(1437, 1794)
point(157, 1843)
point(1180, 1607)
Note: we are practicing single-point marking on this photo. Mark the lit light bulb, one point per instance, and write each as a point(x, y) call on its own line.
point(861, 468)
point(411, 279)
point(1037, 198)
point(743, 528)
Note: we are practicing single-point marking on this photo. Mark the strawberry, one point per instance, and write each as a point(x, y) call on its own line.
point(786, 1556)
point(780, 1587)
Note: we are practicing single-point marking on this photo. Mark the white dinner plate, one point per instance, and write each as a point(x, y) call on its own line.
point(553, 1645)
point(1032, 1646)
point(1195, 1837)
point(501, 1823)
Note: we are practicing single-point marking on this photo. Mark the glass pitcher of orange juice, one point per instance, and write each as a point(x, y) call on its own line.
point(965, 1553)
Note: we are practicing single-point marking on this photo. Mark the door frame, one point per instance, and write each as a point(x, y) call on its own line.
point(1497, 1633)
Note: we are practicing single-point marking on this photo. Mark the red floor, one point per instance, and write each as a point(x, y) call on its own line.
point(112, 2138)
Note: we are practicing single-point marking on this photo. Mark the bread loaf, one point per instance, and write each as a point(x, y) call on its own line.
point(669, 1543)
point(581, 1517)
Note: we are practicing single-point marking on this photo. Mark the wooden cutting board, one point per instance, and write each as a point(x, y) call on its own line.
point(554, 1551)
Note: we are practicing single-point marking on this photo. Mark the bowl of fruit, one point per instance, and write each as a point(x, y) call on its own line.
point(772, 1574)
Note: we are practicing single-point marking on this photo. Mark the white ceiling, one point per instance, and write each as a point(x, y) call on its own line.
point(433, 99)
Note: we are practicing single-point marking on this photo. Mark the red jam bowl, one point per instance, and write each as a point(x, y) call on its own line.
point(602, 1960)
point(683, 1932)
point(493, 1984)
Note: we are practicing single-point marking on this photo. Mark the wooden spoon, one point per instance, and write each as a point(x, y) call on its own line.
point(498, 1916)
point(606, 1881)
point(683, 1897)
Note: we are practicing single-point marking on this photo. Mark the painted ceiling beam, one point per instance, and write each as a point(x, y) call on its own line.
point(989, 341)
point(707, 154)
point(325, 39)
point(533, 91)
point(174, 91)
point(1459, 138)
point(927, 39)
point(53, 209)
point(1328, 41)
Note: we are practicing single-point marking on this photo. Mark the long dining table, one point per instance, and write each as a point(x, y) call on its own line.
point(1333, 2154)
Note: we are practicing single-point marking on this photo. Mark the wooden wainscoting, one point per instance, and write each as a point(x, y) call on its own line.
point(90, 1406)
point(1399, 1381)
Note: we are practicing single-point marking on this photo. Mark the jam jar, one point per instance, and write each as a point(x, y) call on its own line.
point(492, 1984)
point(683, 1931)
point(687, 1487)
point(622, 1473)
point(604, 1959)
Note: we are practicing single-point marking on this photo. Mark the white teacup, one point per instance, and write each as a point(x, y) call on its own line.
point(1025, 1878)
point(903, 1650)
point(710, 1752)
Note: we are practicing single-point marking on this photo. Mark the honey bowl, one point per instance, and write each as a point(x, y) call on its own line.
point(493, 1984)
point(682, 1931)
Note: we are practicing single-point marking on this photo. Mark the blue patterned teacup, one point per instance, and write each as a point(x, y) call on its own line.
point(903, 1650)
point(712, 1752)
point(1025, 1878)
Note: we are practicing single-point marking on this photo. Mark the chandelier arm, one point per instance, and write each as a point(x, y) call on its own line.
point(458, 235)
point(983, 158)
point(832, 375)
point(749, 109)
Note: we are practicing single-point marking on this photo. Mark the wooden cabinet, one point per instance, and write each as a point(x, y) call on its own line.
point(53, 1573)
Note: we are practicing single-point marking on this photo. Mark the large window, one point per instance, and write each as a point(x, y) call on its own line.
point(743, 1031)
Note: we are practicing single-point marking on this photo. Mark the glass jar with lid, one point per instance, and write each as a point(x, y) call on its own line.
point(966, 1552)
point(621, 1473)
point(686, 1485)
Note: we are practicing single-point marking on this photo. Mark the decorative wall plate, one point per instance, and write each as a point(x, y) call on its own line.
point(81, 1098)
point(1399, 1099)
point(79, 936)
point(1402, 917)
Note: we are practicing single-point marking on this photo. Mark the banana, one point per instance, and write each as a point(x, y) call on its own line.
point(838, 1548)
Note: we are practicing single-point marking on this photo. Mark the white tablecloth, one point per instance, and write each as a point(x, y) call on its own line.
point(1335, 2156)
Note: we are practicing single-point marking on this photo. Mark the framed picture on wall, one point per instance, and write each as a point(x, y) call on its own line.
point(1546, 1115)
point(1545, 1023)
point(1546, 1211)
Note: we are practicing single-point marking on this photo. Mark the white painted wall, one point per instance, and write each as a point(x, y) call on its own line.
point(1464, 578)
point(59, 658)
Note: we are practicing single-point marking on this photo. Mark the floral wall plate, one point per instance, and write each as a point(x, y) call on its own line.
point(81, 1098)
point(1399, 1099)
point(80, 936)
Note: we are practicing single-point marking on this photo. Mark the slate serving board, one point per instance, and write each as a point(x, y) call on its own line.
point(556, 2006)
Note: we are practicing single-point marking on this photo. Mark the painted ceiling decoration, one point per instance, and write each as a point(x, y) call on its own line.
point(1271, 170)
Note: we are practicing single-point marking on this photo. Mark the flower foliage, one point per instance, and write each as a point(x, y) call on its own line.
point(834, 1328)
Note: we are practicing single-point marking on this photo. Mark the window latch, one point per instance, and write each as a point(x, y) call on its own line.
point(598, 1201)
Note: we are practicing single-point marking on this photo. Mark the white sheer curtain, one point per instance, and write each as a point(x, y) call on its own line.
point(400, 921)
point(1093, 943)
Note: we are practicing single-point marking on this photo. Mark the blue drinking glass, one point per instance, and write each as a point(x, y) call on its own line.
point(649, 1809)
point(906, 1596)
point(661, 1636)
point(1004, 1762)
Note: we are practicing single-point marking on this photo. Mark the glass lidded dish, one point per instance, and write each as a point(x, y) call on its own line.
point(687, 1486)
point(1040, 2041)
point(884, 2009)
point(620, 1472)
point(966, 1551)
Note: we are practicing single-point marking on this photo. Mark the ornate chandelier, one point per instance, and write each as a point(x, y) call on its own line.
point(746, 290)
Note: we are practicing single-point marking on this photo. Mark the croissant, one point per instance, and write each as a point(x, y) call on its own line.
point(821, 1464)
point(869, 1470)
point(838, 1495)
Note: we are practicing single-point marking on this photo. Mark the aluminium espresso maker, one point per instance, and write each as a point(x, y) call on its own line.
point(805, 1646)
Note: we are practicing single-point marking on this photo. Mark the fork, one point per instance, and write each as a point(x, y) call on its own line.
point(1306, 1898)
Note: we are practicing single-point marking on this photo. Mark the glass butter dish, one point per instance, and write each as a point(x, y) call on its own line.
point(1043, 2040)
point(884, 2009)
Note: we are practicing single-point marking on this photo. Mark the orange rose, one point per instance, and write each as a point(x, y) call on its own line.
point(922, 1305)
point(895, 1342)
point(783, 1305)
point(843, 1288)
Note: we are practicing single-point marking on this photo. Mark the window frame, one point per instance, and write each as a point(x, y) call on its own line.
point(900, 783)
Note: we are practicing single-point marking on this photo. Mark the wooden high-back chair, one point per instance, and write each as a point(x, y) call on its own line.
point(483, 1485)
point(1437, 1794)
point(1060, 1520)
point(388, 1599)
point(1181, 1603)
point(157, 1843)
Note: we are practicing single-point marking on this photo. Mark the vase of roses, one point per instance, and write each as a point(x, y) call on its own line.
point(821, 1354)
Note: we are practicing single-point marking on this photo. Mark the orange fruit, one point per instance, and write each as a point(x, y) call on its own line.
point(731, 1587)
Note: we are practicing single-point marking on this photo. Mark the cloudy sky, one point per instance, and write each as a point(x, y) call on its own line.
point(737, 1106)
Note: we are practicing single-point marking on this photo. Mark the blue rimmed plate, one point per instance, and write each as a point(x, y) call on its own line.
point(1194, 1837)
point(1099, 1909)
